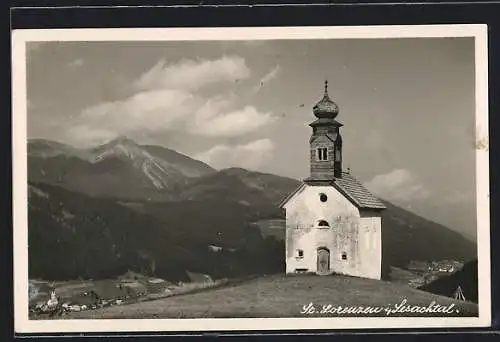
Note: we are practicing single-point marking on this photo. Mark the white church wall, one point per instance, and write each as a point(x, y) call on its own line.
point(371, 245)
point(303, 211)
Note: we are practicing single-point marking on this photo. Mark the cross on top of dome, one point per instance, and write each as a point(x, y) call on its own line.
point(326, 108)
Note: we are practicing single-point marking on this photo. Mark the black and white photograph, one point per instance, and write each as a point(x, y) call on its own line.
point(250, 178)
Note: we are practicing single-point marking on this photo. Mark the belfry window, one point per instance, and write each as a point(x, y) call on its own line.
point(322, 153)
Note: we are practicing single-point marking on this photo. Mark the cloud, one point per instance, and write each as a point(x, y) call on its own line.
point(152, 110)
point(89, 136)
point(398, 185)
point(193, 75)
point(215, 119)
point(272, 74)
point(76, 63)
point(168, 102)
point(168, 110)
point(145, 109)
point(251, 155)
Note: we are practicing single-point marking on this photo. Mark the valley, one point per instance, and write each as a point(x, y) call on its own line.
point(101, 212)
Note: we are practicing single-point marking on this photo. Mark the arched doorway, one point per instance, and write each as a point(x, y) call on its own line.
point(323, 261)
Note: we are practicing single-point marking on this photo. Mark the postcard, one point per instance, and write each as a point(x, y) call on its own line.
point(246, 179)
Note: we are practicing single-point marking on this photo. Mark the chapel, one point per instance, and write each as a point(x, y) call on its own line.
point(333, 223)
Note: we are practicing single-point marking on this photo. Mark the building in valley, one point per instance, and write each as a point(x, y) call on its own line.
point(333, 223)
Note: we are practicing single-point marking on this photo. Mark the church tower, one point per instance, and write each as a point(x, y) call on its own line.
point(325, 142)
point(333, 223)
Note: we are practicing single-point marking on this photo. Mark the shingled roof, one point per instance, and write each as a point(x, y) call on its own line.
point(351, 188)
point(356, 192)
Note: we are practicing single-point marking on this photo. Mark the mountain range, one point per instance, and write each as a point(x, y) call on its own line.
point(97, 212)
point(120, 169)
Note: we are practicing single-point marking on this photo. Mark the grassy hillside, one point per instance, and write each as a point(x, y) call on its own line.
point(279, 296)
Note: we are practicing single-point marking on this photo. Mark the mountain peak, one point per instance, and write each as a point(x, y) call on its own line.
point(121, 147)
point(121, 140)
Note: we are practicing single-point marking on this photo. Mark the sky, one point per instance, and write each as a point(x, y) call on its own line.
point(407, 106)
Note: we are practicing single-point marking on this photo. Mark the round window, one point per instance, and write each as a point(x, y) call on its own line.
point(323, 197)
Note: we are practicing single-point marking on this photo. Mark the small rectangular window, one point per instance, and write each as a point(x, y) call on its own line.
point(344, 256)
point(322, 153)
point(300, 253)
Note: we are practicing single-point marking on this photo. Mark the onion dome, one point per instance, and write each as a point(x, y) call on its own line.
point(326, 108)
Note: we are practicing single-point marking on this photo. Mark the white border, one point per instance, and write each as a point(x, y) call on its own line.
point(19, 102)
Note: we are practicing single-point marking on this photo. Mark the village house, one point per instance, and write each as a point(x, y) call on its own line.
point(333, 223)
